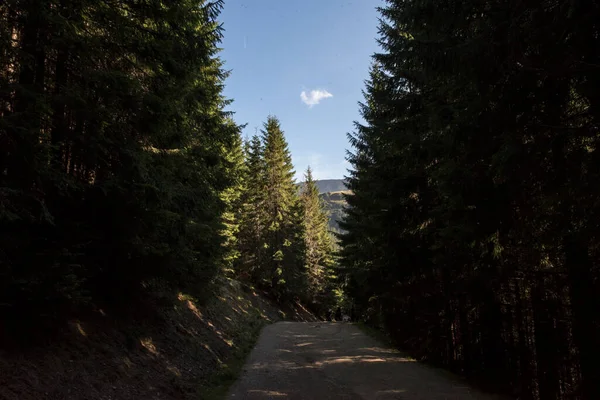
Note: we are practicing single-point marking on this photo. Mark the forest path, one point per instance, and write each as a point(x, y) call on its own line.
point(298, 360)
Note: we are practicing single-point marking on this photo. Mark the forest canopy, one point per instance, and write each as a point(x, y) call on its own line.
point(470, 217)
point(472, 231)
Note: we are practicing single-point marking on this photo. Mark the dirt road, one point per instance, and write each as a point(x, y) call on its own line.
point(297, 360)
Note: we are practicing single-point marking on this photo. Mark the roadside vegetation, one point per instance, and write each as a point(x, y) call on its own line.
point(470, 234)
point(144, 242)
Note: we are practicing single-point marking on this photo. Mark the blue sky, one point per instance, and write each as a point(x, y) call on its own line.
point(305, 62)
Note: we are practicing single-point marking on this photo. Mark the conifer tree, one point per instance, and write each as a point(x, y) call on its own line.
point(282, 265)
point(469, 230)
point(252, 212)
point(114, 136)
point(233, 197)
point(318, 245)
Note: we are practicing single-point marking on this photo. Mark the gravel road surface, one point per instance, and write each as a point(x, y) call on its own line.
point(303, 360)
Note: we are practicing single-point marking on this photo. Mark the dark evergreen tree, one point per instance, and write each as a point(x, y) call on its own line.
point(233, 197)
point(114, 148)
point(283, 261)
point(252, 218)
point(469, 227)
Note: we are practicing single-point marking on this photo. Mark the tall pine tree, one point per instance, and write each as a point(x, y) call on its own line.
point(114, 136)
point(233, 197)
point(318, 246)
point(469, 233)
point(252, 217)
point(282, 264)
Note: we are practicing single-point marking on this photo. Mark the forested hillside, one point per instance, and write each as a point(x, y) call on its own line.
point(130, 204)
point(125, 185)
point(472, 231)
point(334, 204)
point(115, 151)
point(284, 242)
point(120, 168)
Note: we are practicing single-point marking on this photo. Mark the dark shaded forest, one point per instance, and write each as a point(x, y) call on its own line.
point(470, 233)
point(114, 150)
point(122, 173)
point(472, 230)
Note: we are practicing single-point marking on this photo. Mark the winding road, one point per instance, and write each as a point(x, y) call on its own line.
point(303, 360)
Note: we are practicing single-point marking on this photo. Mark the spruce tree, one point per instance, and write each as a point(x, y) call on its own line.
point(282, 264)
point(469, 227)
point(233, 197)
point(318, 245)
point(114, 137)
point(252, 213)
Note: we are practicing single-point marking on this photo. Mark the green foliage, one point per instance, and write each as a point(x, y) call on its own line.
point(318, 247)
point(282, 212)
point(271, 233)
point(470, 230)
point(116, 157)
point(283, 240)
point(252, 219)
point(232, 197)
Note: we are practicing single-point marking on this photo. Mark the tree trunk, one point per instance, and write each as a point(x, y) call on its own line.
point(585, 311)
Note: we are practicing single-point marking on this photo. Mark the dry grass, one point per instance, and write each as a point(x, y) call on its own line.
point(177, 354)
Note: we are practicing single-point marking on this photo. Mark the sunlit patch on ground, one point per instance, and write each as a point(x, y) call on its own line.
point(379, 350)
point(268, 393)
point(362, 359)
point(149, 345)
point(217, 358)
point(174, 370)
point(339, 362)
point(174, 353)
point(80, 329)
point(190, 305)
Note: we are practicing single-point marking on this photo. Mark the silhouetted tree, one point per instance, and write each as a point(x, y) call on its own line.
point(114, 149)
point(470, 230)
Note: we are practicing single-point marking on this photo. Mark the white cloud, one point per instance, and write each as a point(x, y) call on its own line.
point(314, 97)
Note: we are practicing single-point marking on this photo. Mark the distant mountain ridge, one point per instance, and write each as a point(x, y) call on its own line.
point(328, 185)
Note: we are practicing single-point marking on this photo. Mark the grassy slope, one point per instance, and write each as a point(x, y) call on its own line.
point(183, 351)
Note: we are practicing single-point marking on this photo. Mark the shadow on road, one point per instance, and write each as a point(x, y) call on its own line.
point(337, 361)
